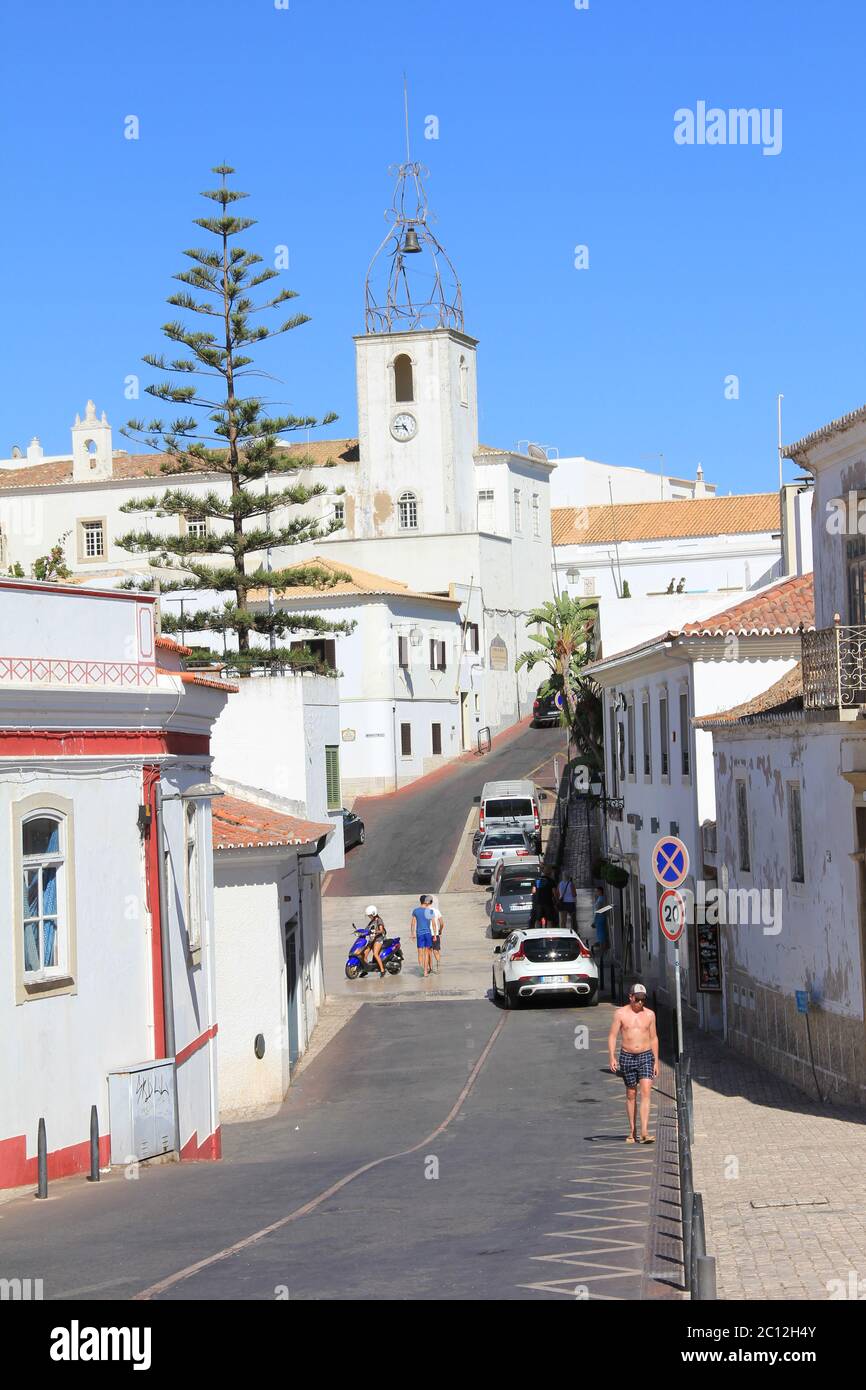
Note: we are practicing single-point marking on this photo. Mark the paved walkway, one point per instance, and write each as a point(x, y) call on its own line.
point(783, 1180)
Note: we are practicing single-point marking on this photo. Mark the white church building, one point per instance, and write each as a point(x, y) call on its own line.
point(459, 528)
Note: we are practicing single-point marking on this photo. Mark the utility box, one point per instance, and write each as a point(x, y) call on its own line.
point(142, 1106)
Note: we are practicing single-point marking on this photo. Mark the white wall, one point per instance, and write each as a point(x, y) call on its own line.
point(582, 482)
point(250, 982)
point(273, 735)
point(707, 563)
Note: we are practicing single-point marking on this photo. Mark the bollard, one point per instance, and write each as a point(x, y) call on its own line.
point(94, 1145)
point(705, 1289)
point(699, 1240)
point(686, 1195)
point(42, 1162)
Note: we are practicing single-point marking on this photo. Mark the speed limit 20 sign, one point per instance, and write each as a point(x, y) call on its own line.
point(672, 914)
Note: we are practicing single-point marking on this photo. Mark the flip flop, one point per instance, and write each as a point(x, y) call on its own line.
point(648, 1139)
point(631, 1139)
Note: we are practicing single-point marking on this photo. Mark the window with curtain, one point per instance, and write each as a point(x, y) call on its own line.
point(647, 737)
point(630, 718)
point(795, 827)
point(43, 863)
point(744, 857)
point(685, 743)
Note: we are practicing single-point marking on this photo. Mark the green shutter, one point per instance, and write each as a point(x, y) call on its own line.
point(332, 778)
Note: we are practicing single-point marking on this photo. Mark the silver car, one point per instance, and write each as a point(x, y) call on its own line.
point(502, 846)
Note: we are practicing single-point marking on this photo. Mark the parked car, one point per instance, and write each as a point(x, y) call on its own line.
point(544, 961)
point(354, 832)
point(510, 905)
point(545, 711)
point(510, 805)
point(510, 845)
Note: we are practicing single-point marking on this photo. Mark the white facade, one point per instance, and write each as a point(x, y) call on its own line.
point(667, 780)
point(583, 482)
point(90, 732)
point(273, 734)
point(791, 812)
point(703, 564)
point(269, 960)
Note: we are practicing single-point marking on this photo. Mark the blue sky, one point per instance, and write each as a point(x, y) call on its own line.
point(555, 130)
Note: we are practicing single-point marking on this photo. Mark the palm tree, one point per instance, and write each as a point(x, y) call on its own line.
point(564, 646)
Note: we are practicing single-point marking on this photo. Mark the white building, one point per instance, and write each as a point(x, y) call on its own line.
point(705, 545)
point(108, 963)
point(662, 768)
point(791, 809)
point(269, 967)
point(405, 681)
point(282, 735)
point(583, 482)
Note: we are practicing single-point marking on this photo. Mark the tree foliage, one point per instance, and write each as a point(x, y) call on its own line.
point(219, 430)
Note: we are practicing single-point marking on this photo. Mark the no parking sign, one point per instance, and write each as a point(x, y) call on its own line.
point(670, 861)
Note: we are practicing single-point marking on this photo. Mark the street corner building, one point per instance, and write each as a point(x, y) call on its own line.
point(107, 970)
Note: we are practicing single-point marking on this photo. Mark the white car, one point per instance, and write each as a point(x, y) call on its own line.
point(544, 960)
point(511, 846)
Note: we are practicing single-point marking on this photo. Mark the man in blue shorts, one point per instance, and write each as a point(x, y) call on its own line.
point(638, 1063)
point(421, 927)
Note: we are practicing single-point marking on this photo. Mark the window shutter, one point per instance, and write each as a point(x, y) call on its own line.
point(332, 777)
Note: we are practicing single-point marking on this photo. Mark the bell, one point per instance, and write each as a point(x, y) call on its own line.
point(411, 244)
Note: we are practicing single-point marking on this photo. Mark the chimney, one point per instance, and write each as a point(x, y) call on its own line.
point(35, 452)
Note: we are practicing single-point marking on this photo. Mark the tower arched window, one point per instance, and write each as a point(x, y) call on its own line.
point(407, 512)
point(404, 386)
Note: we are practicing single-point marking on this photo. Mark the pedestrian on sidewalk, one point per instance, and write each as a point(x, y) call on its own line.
point(543, 902)
point(421, 927)
point(567, 895)
point(438, 927)
point(638, 1063)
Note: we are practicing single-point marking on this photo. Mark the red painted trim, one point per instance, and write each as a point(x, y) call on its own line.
point(82, 742)
point(209, 1151)
point(150, 780)
point(42, 587)
point(17, 1170)
point(187, 1052)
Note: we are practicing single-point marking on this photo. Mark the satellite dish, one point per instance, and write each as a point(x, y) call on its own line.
point(16, 451)
point(536, 452)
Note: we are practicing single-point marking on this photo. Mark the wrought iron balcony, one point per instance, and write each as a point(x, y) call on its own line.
point(834, 670)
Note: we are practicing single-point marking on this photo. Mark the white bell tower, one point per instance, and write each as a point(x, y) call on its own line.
point(91, 447)
point(416, 382)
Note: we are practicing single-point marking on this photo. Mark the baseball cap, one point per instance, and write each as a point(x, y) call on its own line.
point(638, 989)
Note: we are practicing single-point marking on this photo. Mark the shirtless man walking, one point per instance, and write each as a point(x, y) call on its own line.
point(638, 1063)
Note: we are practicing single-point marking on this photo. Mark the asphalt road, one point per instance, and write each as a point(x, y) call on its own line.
point(527, 1192)
point(412, 835)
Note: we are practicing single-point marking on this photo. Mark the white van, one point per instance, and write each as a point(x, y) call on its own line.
point(510, 804)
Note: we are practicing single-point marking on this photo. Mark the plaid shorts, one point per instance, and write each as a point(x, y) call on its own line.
point(636, 1066)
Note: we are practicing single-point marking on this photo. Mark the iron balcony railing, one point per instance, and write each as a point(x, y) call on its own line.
point(834, 668)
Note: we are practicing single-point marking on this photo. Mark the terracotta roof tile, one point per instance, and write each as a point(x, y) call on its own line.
point(317, 453)
point(654, 521)
point(241, 824)
point(169, 645)
point(780, 607)
point(785, 696)
point(192, 678)
point(777, 609)
point(359, 582)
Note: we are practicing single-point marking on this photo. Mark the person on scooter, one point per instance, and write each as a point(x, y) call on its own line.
point(375, 938)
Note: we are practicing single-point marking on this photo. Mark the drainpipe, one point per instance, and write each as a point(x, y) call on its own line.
point(165, 952)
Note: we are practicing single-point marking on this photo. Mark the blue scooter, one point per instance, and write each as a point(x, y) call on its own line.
point(391, 956)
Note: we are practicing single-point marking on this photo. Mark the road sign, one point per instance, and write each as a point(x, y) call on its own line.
point(670, 861)
point(558, 700)
point(672, 914)
point(802, 998)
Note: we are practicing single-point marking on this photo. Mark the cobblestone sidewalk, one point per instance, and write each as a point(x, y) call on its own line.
point(783, 1180)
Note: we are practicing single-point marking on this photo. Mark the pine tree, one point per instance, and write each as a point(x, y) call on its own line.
point(230, 434)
